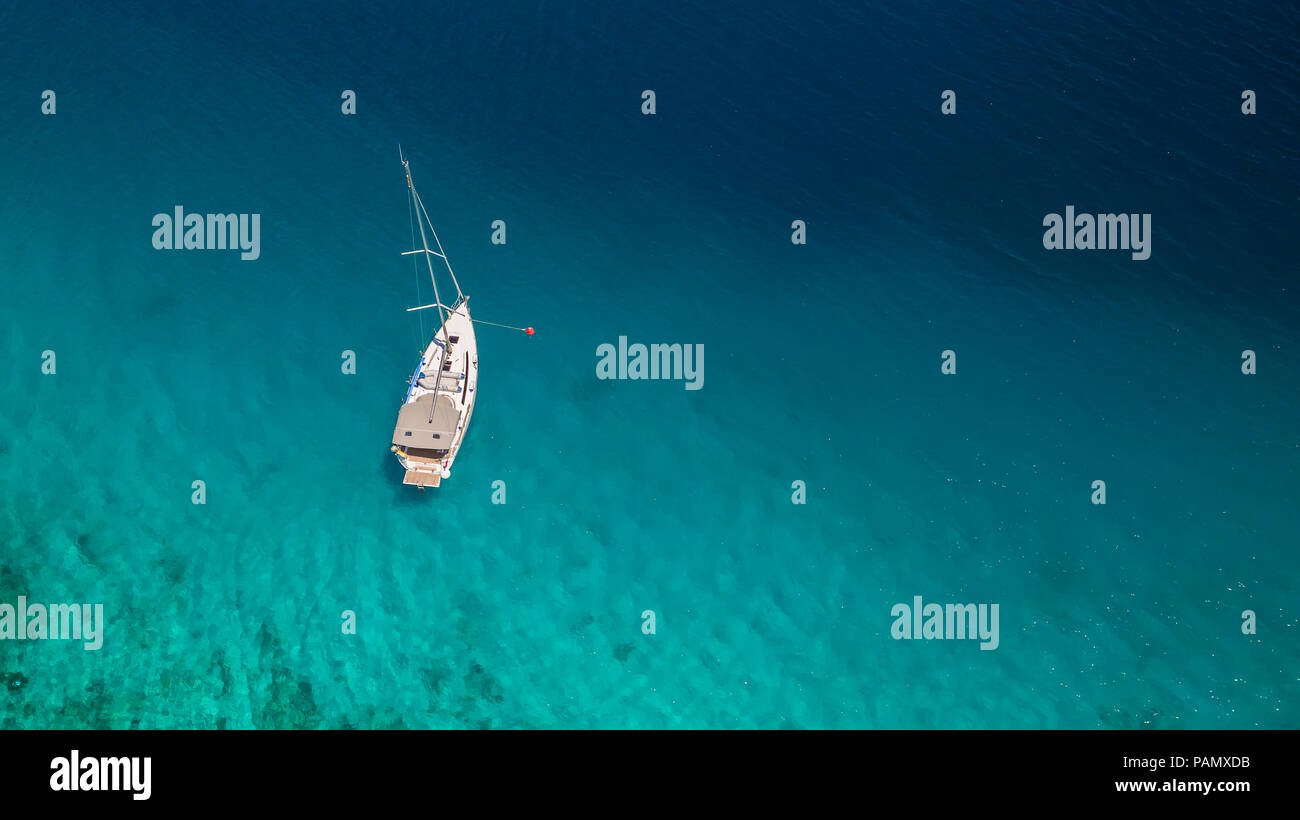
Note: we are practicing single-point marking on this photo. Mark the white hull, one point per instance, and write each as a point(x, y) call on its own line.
point(436, 412)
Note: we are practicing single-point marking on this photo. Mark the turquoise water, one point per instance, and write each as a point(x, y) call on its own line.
point(821, 365)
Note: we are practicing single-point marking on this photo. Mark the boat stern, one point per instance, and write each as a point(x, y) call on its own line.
point(422, 471)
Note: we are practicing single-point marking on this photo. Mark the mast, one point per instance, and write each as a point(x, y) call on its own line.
point(442, 315)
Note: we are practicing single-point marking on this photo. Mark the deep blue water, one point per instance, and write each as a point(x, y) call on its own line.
point(822, 364)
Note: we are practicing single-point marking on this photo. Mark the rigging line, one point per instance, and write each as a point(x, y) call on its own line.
point(438, 242)
point(415, 267)
point(436, 298)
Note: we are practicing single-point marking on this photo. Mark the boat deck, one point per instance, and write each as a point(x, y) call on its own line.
point(419, 478)
point(462, 365)
point(434, 462)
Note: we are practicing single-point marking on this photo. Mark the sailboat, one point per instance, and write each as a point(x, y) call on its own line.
point(439, 400)
point(435, 413)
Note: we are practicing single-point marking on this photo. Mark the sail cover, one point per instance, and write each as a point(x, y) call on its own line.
point(415, 427)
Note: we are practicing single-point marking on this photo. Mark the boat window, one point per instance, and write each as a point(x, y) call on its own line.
point(455, 339)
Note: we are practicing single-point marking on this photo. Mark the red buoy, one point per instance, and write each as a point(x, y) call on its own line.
point(529, 331)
